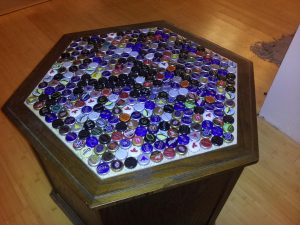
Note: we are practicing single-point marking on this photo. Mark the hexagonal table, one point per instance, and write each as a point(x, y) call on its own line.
point(139, 124)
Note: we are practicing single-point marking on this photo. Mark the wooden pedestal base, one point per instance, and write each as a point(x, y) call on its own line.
point(197, 203)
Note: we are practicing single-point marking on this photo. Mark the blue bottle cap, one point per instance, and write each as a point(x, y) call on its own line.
point(142, 99)
point(101, 122)
point(97, 60)
point(85, 96)
point(171, 99)
point(186, 120)
point(152, 96)
point(155, 119)
point(206, 133)
point(99, 149)
point(49, 90)
point(188, 112)
point(141, 131)
point(50, 117)
point(109, 128)
point(147, 148)
point(127, 88)
point(217, 131)
point(219, 113)
point(71, 136)
point(177, 114)
point(159, 145)
point(228, 137)
point(103, 168)
point(106, 73)
point(149, 105)
point(86, 109)
point(183, 139)
point(179, 106)
point(60, 87)
point(219, 105)
point(91, 141)
point(171, 142)
point(220, 98)
point(106, 114)
point(209, 107)
point(70, 85)
point(207, 124)
point(66, 92)
point(62, 100)
point(125, 144)
point(69, 120)
point(72, 97)
point(113, 120)
point(136, 115)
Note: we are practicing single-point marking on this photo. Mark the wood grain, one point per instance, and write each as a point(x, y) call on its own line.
point(14, 5)
point(267, 193)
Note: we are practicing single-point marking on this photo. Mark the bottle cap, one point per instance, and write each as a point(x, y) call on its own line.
point(130, 163)
point(156, 156)
point(143, 159)
point(103, 168)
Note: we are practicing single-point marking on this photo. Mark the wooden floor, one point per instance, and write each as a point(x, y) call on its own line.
point(268, 193)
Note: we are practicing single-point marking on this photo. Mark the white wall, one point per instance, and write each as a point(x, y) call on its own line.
point(282, 105)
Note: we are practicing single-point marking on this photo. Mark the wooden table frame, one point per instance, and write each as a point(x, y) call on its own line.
point(189, 191)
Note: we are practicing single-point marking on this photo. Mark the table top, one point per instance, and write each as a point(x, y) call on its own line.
point(135, 109)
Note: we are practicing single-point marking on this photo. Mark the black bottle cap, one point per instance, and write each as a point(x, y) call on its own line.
point(108, 156)
point(217, 140)
point(104, 138)
point(199, 109)
point(77, 91)
point(62, 70)
point(73, 69)
point(150, 138)
point(92, 82)
point(134, 93)
point(89, 125)
point(50, 102)
point(157, 83)
point(163, 94)
point(83, 134)
point(43, 97)
point(180, 98)
point(164, 126)
point(230, 89)
point(44, 111)
point(98, 108)
point(184, 129)
point(228, 119)
point(231, 76)
point(130, 162)
point(56, 95)
point(57, 123)
point(144, 121)
point(168, 108)
point(58, 76)
point(121, 126)
point(63, 130)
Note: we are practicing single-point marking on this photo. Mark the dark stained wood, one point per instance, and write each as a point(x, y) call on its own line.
point(72, 215)
point(192, 204)
point(109, 194)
